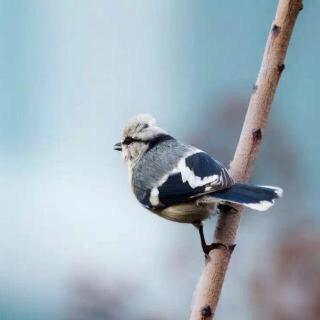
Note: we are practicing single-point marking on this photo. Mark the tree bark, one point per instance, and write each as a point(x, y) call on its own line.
point(210, 284)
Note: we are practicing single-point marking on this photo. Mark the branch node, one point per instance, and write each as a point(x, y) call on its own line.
point(275, 29)
point(281, 67)
point(301, 6)
point(254, 88)
point(206, 312)
point(257, 134)
point(231, 248)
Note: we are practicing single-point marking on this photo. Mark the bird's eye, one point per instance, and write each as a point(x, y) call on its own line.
point(129, 140)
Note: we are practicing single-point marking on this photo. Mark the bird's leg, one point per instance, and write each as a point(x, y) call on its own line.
point(204, 245)
point(207, 248)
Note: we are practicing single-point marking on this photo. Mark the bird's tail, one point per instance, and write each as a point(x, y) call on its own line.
point(255, 197)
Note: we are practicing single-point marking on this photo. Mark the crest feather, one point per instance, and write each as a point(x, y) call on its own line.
point(138, 122)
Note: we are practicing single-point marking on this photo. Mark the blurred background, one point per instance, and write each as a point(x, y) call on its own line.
point(74, 243)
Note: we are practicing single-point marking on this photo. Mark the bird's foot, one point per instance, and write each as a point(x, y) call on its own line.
point(218, 245)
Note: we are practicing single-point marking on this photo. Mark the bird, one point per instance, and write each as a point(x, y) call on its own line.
point(182, 183)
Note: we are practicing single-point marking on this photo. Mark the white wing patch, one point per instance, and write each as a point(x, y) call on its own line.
point(189, 176)
point(154, 196)
point(194, 181)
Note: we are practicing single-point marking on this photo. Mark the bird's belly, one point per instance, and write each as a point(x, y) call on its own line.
point(186, 212)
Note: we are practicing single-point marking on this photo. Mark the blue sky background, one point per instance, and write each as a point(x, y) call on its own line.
point(72, 73)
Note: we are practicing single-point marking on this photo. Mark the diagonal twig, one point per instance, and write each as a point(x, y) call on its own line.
point(210, 284)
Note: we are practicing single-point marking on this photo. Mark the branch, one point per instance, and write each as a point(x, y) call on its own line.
point(211, 281)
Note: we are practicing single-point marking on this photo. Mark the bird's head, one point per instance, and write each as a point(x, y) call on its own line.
point(139, 133)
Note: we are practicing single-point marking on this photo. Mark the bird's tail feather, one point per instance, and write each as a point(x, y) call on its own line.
point(255, 197)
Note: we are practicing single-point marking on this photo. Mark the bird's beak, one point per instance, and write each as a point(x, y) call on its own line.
point(118, 146)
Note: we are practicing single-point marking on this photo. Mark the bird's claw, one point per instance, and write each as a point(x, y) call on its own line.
point(218, 245)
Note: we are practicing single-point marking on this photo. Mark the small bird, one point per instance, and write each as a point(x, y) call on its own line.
point(180, 182)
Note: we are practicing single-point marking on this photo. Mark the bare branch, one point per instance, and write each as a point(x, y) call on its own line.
point(211, 281)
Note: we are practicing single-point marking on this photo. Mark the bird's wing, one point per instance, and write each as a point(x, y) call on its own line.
point(195, 174)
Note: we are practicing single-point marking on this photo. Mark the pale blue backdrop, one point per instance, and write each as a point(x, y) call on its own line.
point(72, 72)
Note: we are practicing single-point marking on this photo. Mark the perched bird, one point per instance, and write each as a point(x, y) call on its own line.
point(180, 182)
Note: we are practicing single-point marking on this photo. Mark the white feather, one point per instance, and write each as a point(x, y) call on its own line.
point(194, 181)
point(154, 196)
point(260, 206)
point(188, 175)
